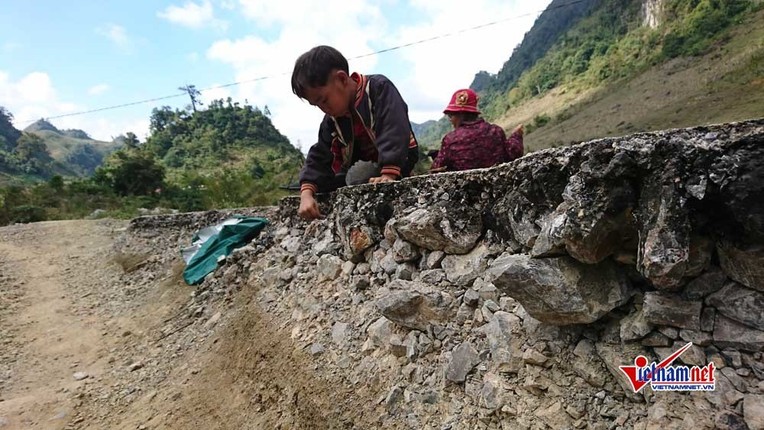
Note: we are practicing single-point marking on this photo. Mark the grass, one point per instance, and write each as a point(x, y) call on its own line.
point(726, 84)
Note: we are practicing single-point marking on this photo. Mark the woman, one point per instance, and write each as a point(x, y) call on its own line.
point(474, 143)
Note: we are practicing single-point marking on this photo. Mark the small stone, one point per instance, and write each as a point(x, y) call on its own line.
point(79, 376)
point(393, 397)
point(471, 297)
point(360, 283)
point(531, 356)
point(339, 333)
point(665, 309)
point(316, 349)
point(434, 259)
point(658, 339)
point(463, 358)
point(135, 366)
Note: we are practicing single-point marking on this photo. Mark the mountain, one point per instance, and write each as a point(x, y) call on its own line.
point(596, 68)
point(75, 150)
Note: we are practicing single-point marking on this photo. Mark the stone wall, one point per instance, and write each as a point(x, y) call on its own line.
point(509, 297)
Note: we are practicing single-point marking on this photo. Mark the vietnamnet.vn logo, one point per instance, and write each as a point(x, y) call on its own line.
point(665, 377)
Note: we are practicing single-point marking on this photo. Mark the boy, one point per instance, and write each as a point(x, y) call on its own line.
point(366, 121)
point(474, 143)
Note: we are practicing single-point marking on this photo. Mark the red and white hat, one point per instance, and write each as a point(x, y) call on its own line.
point(464, 100)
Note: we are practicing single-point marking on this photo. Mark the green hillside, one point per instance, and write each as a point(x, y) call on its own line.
point(610, 67)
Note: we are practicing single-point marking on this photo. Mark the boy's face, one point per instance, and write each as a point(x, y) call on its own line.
point(334, 98)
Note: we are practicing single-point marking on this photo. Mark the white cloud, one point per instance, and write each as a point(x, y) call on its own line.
point(294, 27)
point(117, 34)
point(33, 97)
point(426, 74)
point(440, 67)
point(193, 15)
point(98, 89)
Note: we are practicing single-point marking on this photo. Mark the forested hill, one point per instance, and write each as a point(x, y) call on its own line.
point(596, 68)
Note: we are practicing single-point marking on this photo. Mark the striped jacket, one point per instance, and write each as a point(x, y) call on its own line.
point(384, 136)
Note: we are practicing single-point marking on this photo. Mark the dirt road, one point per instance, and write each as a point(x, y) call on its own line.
point(53, 337)
point(88, 342)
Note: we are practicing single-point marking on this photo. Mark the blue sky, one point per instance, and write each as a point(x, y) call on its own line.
point(60, 57)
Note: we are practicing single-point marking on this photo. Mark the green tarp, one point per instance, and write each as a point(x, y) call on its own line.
point(217, 247)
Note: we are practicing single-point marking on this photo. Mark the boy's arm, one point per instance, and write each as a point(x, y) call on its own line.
point(392, 127)
point(317, 174)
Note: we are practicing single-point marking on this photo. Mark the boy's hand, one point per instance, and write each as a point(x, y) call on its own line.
point(308, 207)
point(383, 178)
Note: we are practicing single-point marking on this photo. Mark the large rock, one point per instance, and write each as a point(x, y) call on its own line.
point(560, 290)
point(730, 333)
point(705, 284)
point(664, 309)
point(753, 411)
point(462, 270)
point(665, 257)
point(598, 214)
point(413, 305)
point(743, 265)
point(436, 229)
point(741, 304)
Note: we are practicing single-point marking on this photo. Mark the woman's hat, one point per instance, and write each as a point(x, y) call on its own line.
point(464, 100)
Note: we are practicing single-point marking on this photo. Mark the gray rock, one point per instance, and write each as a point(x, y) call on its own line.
point(339, 333)
point(555, 416)
point(437, 229)
point(404, 272)
point(471, 297)
point(329, 267)
point(491, 394)
point(740, 304)
point(699, 338)
point(393, 398)
point(664, 309)
point(730, 333)
point(270, 277)
point(433, 259)
point(635, 326)
point(388, 264)
point(560, 290)
point(743, 265)
point(500, 329)
point(656, 339)
point(664, 254)
point(380, 331)
point(463, 269)
point(707, 317)
point(404, 252)
point(316, 349)
point(727, 420)
point(549, 242)
point(535, 358)
point(463, 358)
point(753, 410)
point(705, 284)
point(79, 376)
point(406, 308)
point(362, 268)
point(360, 283)
point(433, 276)
point(597, 218)
point(614, 357)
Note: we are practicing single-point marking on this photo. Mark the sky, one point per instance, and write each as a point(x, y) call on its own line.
point(64, 57)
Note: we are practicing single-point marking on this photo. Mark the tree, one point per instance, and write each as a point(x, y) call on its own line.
point(193, 93)
point(131, 173)
point(131, 140)
point(8, 132)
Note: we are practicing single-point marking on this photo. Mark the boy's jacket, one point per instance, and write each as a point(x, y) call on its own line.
point(386, 128)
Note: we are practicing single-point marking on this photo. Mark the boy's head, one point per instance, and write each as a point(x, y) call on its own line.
point(321, 76)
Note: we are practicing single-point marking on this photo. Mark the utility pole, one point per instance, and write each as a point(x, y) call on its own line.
point(193, 94)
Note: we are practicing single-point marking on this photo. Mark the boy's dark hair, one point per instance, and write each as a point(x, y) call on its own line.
point(312, 68)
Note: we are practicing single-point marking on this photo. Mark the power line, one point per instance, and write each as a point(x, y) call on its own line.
point(262, 78)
